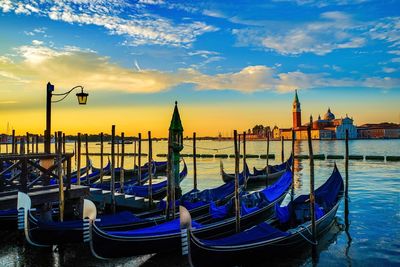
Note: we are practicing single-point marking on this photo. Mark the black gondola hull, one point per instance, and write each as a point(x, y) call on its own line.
point(258, 252)
point(104, 245)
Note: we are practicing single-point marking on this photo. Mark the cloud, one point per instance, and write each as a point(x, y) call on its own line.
point(389, 70)
point(249, 79)
point(117, 17)
point(6, 5)
point(335, 30)
point(388, 30)
point(7, 102)
point(69, 66)
point(324, 3)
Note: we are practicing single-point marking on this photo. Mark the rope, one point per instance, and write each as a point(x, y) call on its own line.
point(213, 149)
point(305, 238)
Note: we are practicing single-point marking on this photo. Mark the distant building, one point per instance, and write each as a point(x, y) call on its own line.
point(327, 128)
point(381, 130)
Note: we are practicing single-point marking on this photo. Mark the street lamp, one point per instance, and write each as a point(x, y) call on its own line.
point(82, 99)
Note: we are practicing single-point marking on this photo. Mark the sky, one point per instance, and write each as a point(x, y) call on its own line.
point(229, 64)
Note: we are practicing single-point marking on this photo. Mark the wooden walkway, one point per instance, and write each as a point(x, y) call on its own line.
point(122, 200)
point(41, 195)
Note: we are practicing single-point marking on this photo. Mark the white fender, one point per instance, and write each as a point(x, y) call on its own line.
point(89, 210)
point(186, 225)
point(24, 205)
point(185, 218)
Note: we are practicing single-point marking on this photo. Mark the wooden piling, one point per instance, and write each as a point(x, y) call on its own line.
point(346, 189)
point(244, 160)
point(78, 174)
point(149, 172)
point(101, 156)
point(292, 186)
point(112, 181)
point(60, 176)
point(134, 153)
point(33, 143)
point(21, 146)
point(312, 198)
point(267, 167)
point(87, 159)
point(118, 141)
point(76, 153)
point(27, 143)
point(122, 171)
point(283, 149)
point(237, 200)
point(64, 151)
point(194, 163)
point(37, 143)
point(55, 142)
point(13, 149)
point(140, 158)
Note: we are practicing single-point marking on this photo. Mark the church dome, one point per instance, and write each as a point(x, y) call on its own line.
point(329, 115)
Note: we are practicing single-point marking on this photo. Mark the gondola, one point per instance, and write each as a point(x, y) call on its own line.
point(8, 218)
point(159, 190)
point(288, 231)
point(132, 181)
point(166, 237)
point(160, 169)
point(106, 170)
point(259, 176)
point(94, 176)
point(46, 233)
point(198, 202)
point(87, 179)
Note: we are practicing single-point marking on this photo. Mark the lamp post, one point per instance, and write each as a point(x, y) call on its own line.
point(82, 99)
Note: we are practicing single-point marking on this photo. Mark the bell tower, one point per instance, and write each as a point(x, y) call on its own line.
point(296, 112)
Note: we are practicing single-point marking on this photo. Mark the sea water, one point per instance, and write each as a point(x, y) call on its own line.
point(372, 239)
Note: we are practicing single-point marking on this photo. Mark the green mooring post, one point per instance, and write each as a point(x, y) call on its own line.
point(176, 144)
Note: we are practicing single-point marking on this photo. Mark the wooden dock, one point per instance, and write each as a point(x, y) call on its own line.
point(103, 197)
point(40, 195)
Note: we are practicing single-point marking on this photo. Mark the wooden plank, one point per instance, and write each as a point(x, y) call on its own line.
point(44, 196)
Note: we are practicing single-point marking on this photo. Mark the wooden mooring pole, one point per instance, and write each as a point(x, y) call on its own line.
point(140, 158)
point(87, 159)
point(21, 146)
point(33, 143)
point(76, 153)
point(283, 149)
point(60, 176)
point(64, 151)
point(13, 148)
point(78, 171)
point(112, 181)
point(244, 160)
point(134, 153)
point(37, 143)
point(267, 167)
point(194, 163)
point(346, 189)
point(122, 171)
point(118, 141)
point(101, 156)
point(312, 198)
point(237, 199)
point(149, 172)
point(27, 143)
point(55, 142)
point(292, 186)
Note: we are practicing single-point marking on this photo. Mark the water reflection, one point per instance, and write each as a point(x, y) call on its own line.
point(374, 190)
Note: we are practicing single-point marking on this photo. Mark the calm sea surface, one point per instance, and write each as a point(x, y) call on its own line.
point(373, 238)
